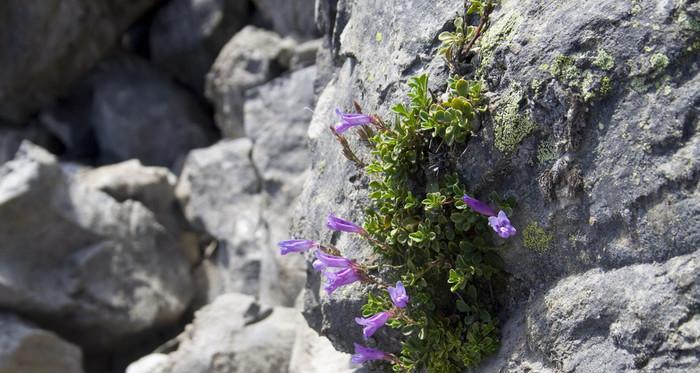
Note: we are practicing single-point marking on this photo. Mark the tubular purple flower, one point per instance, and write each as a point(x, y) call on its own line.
point(398, 295)
point(326, 260)
point(502, 225)
point(348, 121)
point(295, 246)
point(478, 206)
point(338, 224)
point(334, 280)
point(372, 324)
point(363, 354)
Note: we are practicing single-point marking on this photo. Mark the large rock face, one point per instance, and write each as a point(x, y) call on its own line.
point(46, 45)
point(186, 36)
point(74, 258)
point(593, 129)
point(26, 348)
point(233, 334)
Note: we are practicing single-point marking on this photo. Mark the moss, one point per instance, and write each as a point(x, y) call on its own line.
point(659, 61)
point(511, 125)
point(604, 60)
point(536, 238)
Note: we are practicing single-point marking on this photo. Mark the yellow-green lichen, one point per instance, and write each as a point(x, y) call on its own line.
point(536, 238)
point(546, 152)
point(498, 34)
point(658, 61)
point(564, 68)
point(378, 37)
point(604, 60)
point(511, 125)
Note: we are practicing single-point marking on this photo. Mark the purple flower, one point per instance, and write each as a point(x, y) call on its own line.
point(398, 295)
point(348, 121)
point(502, 225)
point(335, 280)
point(478, 206)
point(324, 261)
point(372, 324)
point(363, 354)
point(295, 246)
point(338, 224)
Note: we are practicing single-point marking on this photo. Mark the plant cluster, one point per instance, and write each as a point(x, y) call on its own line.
point(435, 242)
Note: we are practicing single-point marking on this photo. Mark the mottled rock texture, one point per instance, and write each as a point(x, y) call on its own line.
point(242, 192)
point(232, 334)
point(46, 45)
point(592, 128)
point(289, 17)
point(252, 57)
point(26, 348)
point(186, 36)
point(72, 257)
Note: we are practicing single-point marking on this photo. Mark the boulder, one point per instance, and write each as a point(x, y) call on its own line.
point(313, 353)
point(126, 109)
point(232, 334)
point(154, 187)
point(277, 116)
point(186, 36)
point(26, 348)
point(605, 179)
point(252, 57)
point(290, 17)
point(636, 318)
point(241, 192)
point(95, 270)
point(219, 193)
point(49, 44)
point(137, 112)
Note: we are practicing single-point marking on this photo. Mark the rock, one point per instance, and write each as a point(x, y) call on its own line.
point(233, 334)
point(637, 318)
point(152, 363)
point(138, 113)
point(276, 120)
point(186, 36)
point(305, 54)
point(219, 193)
point(607, 179)
point(252, 57)
point(315, 354)
point(240, 192)
point(154, 187)
point(26, 348)
point(11, 137)
point(93, 269)
point(336, 185)
point(44, 49)
point(290, 17)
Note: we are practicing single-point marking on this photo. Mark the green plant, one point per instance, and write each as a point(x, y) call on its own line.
point(445, 248)
point(457, 43)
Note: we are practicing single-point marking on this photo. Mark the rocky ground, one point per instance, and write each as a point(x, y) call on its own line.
point(153, 152)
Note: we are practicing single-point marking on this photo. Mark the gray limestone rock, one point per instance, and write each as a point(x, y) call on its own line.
point(136, 112)
point(46, 45)
point(609, 172)
point(186, 36)
point(290, 17)
point(232, 334)
point(26, 348)
point(252, 57)
point(93, 269)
